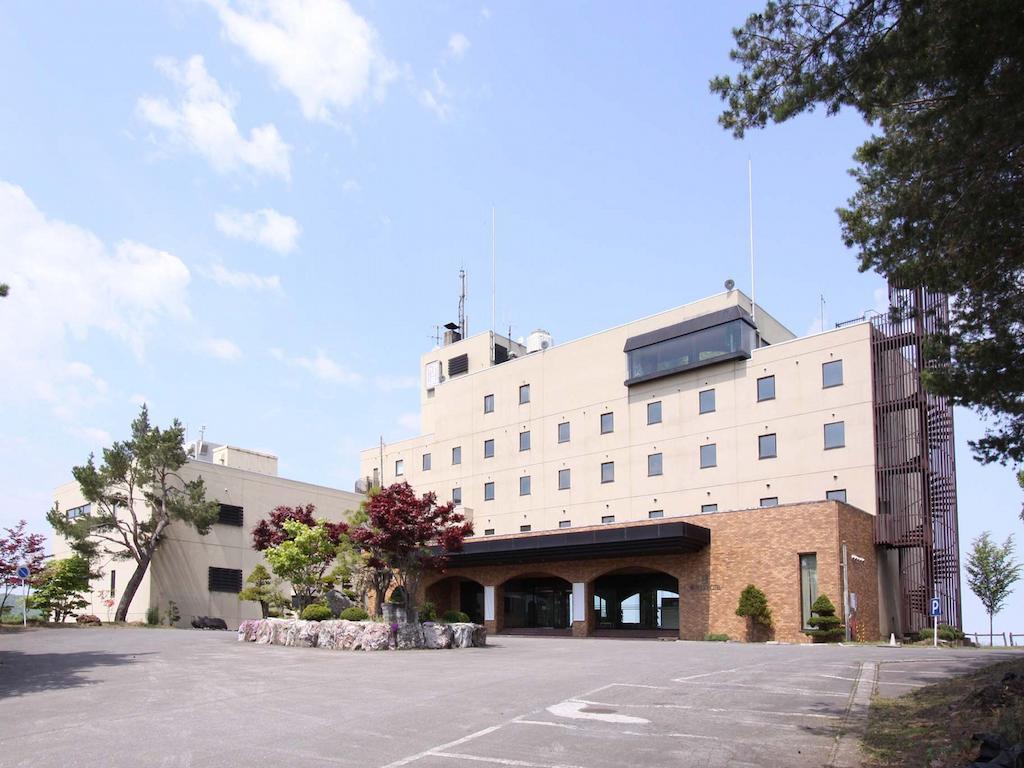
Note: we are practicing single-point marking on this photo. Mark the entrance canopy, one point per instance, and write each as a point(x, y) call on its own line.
point(591, 543)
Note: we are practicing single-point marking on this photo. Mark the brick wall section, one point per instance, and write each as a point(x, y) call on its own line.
point(757, 546)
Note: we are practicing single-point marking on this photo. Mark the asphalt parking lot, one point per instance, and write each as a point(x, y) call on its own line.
point(131, 697)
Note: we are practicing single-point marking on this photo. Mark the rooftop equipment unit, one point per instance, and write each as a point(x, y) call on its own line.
point(538, 341)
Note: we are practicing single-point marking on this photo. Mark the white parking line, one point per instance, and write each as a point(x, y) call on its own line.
point(502, 761)
point(773, 689)
point(720, 710)
point(575, 710)
point(435, 750)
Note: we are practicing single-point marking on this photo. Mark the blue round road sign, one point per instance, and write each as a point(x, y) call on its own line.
point(22, 571)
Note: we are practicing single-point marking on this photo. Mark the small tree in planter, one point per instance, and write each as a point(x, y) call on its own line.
point(753, 606)
point(826, 627)
point(409, 535)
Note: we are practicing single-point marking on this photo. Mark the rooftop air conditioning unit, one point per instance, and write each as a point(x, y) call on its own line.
point(538, 341)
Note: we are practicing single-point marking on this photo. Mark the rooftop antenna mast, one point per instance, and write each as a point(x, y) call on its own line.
point(493, 274)
point(463, 327)
point(750, 217)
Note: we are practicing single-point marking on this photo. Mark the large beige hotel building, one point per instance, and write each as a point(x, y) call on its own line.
point(639, 478)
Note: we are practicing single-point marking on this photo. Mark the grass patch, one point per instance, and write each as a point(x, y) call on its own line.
point(932, 726)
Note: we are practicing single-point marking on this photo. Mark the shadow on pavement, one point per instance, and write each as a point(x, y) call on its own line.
point(23, 673)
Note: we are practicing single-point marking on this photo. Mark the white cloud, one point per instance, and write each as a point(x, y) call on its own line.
point(222, 349)
point(409, 421)
point(438, 97)
point(458, 44)
point(351, 186)
point(320, 365)
point(392, 383)
point(265, 226)
point(322, 51)
point(66, 285)
point(241, 280)
point(204, 122)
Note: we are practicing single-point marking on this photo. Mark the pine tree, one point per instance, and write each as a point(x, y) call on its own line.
point(825, 625)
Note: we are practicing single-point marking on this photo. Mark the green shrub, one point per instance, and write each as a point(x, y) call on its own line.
point(717, 637)
point(397, 596)
point(173, 614)
point(428, 612)
point(753, 605)
point(454, 617)
point(946, 632)
point(153, 616)
point(825, 625)
point(354, 613)
point(316, 612)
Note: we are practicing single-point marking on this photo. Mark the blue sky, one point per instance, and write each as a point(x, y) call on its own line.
point(252, 215)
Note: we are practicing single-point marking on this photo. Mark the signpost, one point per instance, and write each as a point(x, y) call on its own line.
point(23, 574)
point(936, 611)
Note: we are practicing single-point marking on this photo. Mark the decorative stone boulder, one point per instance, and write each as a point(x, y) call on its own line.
point(337, 602)
point(247, 630)
point(88, 620)
point(281, 627)
point(306, 636)
point(351, 636)
point(327, 634)
point(395, 613)
point(479, 636)
point(409, 637)
point(437, 635)
point(462, 635)
point(265, 632)
point(376, 637)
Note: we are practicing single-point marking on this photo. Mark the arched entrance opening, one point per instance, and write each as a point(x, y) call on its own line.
point(537, 602)
point(456, 593)
point(636, 599)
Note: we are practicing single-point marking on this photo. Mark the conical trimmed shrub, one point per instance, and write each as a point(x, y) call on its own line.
point(826, 627)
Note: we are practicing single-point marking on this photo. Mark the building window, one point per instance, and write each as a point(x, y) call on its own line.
point(426, 461)
point(835, 435)
point(376, 477)
point(608, 518)
point(489, 491)
point(113, 583)
point(524, 394)
point(608, 472)
point(489, 449)
point(837, 495)
point(653, 464)
point(488, 403)
point(488, 531)
point(707, 509)
point(832, 374)
point(563, 432)
point(82, 511)
point(224, 580)
point(707, 401)
point(808, 585)
point(564, 479)
point(458, 364)
point(690, 347)
point(524, 440)
point(524, 485)
point(766, 447)
point(708, 456)
point(399, 467)
point(766, 388)
point(457, 454)
point(525, 528)
point(654, 412)
point(654, 514)
point(607, 423)
point(565, 523)
point(770, 501)
point(456, 496)
point(230, 514)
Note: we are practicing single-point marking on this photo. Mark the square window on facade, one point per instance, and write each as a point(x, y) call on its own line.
point(608, 519)
point(654, 514)
point(654, 412)
point(706, 401)
point(770, 501)
point(524, 485)
point(608, 472)
point(456, 496)
point(565, 523)
point(489, 449)
point(488, 531)
point(426, 461)
point(766, 447)
point(835, 435)
point(766, 388)
point(832, 374)
point(707, 509)
point(457, 454)
point(564, 479)
point(524, 394)
point(607, 423)
point(524, 440)
point(564, 432)
point(653, 464)
point(400, 467)
point(525, 528)
point(489, 491)
point(708, 455)
point(488, 403)
point(837, 495)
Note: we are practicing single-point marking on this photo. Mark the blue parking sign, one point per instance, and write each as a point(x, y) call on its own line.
point(936, 607)
point(23, 571)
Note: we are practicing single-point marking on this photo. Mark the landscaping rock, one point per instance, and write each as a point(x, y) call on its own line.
point(338, 602)
point(265, 632)
point(463, 635)
point(247, 630)
point(280, 631)
point(87, 619)
point(437, 635)
point(376, 637)
point(409, 637)
point(351, 635)
point(327, 634)
point(307, 634)
point(479, 636)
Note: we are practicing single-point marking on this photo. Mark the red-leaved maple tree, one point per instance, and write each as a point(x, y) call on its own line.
point(18, 548)
point(410, 535)
point(270, 533)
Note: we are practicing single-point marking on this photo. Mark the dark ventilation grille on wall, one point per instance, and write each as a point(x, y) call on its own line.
point(230, 515)
point(500, 354)
point(458, 364)
point(225, 580)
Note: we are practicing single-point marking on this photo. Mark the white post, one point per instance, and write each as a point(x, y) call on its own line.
point(935, 631)
point(488, 603)
point(24, 603)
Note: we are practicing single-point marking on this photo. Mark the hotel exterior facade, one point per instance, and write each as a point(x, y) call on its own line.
point(638, 478)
